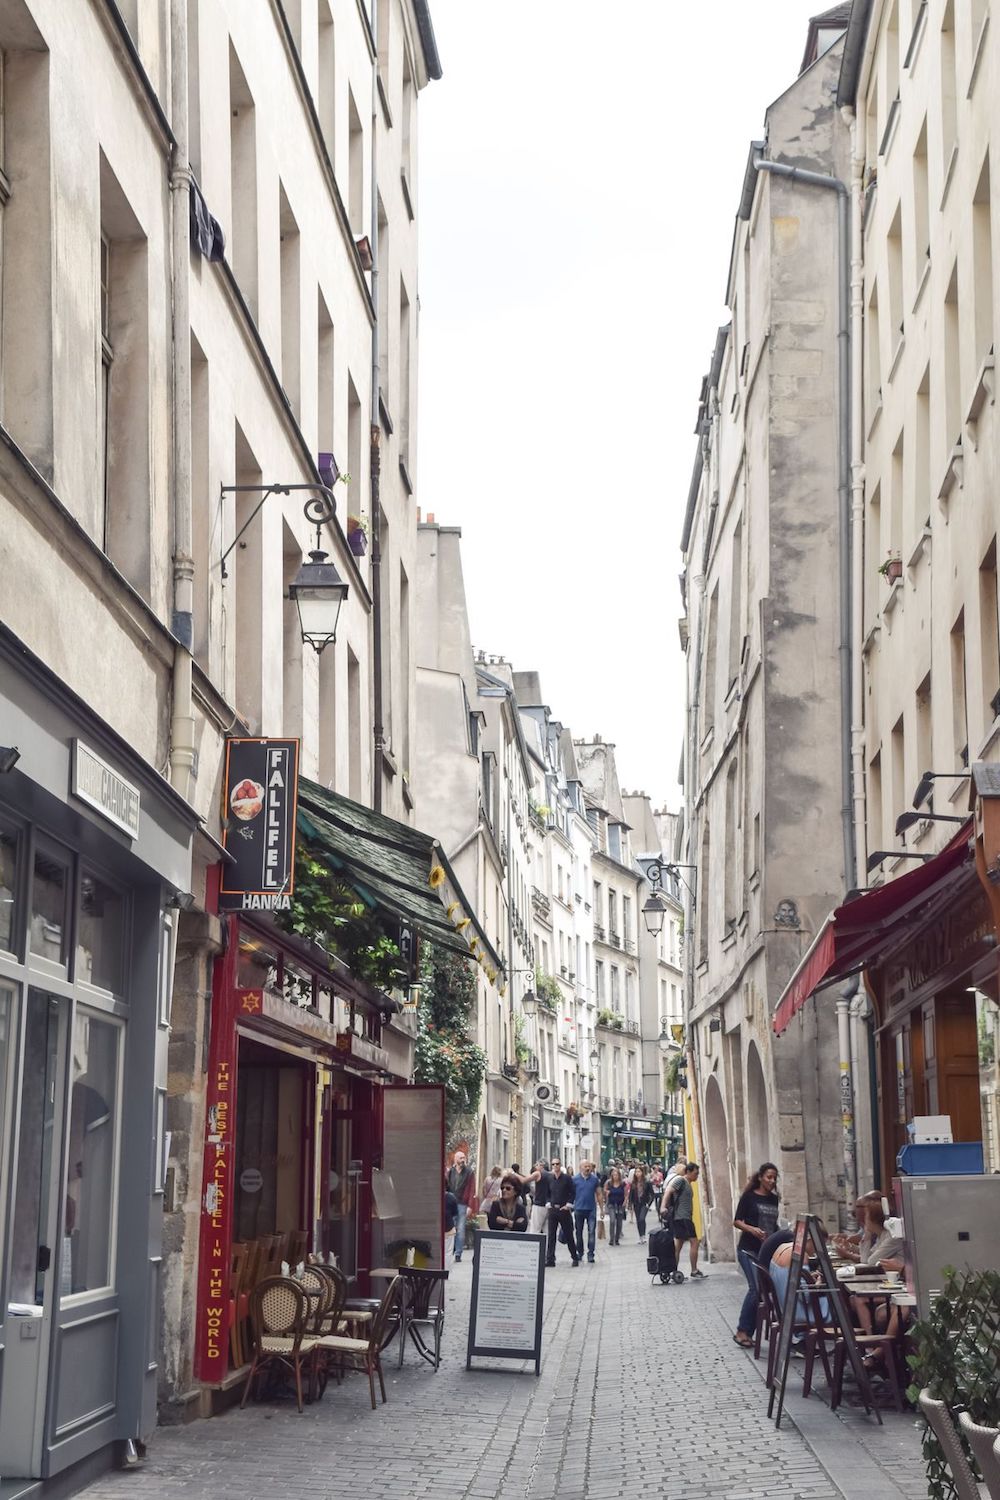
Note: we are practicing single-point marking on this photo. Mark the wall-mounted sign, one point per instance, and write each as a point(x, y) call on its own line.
point(258, 821)
point(101, 787)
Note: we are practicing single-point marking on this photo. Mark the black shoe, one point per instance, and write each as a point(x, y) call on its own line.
point(590, 1260)
point(575, 1264)
point(550, 1262)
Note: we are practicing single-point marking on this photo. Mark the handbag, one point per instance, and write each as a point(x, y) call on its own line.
point(600, 1228)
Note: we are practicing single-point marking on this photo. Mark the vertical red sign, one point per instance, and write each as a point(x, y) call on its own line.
point(212, 1341)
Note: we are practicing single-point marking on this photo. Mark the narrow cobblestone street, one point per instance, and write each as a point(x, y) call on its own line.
point(642, 1391)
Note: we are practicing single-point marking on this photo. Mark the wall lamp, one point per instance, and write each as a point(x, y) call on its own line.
point(9, 757)
point(317, 590)
point(906, 820)
point(878, 855)
point(654, 913)
point(926, 784)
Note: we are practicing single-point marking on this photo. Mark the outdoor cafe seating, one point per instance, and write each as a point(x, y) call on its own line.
point(297, 1333)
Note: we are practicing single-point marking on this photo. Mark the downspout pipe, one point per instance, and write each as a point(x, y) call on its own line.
point(857, 503)
point(835, 185)
point(182, 740)
point(844, 999)
point(375, 458)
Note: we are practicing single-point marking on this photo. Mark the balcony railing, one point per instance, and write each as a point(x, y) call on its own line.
point(555, 1093)
point(614, 939)
point(620, 1106)
point(531, 1066)
point(510, 1071)
point(605, 1102)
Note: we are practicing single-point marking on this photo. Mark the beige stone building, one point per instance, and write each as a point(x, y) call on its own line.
point(209, 292)
point(766, 738)
point(920, 79)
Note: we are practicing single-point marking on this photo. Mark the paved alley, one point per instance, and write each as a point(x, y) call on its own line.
point(642, 1392)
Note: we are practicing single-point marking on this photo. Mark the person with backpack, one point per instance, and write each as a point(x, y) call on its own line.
point(678, 1215)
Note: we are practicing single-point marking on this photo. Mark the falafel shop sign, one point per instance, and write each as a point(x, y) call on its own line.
point(258, 825)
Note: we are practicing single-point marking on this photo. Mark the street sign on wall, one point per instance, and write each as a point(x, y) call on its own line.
point(258, 821)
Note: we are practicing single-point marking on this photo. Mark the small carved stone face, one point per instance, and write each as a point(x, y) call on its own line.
point(787, 914)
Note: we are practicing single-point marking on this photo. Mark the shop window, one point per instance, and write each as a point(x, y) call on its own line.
point(8, 888)
point(100, 934)
point(49, 893)
point(37, 1124)
point(92, 1165)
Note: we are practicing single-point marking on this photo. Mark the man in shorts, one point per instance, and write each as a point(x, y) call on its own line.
point(679, 1209)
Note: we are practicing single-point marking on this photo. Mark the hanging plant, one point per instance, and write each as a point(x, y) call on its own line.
point(326, 911)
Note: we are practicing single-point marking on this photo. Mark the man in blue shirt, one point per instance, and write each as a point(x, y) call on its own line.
point(588, 1194)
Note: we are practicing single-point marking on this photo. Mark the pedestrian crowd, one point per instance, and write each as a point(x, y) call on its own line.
point(576, 1209)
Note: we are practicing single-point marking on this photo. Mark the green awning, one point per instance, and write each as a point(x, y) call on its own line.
point(389, 864)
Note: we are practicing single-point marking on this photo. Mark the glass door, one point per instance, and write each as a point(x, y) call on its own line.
point(28, 1297)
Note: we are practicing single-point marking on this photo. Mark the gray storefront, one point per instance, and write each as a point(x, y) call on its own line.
point(92, 846)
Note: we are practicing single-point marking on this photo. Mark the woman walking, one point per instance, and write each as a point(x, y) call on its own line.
point(756, 1217)
point(614, 1197)
point(491, 1190)
point(640, 1200)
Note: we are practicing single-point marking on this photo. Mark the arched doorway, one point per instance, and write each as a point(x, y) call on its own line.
point(758, 1121)
point(720, 1229)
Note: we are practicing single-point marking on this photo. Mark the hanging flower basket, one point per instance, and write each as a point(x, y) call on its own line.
point(357, 535)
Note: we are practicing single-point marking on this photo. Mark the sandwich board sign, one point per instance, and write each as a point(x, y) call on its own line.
point(809, 1241)
point(508, 1285)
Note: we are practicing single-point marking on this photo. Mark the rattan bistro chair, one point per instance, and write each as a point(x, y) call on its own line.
point(939, 1420)
point(364, 1355)
point(279, 1317)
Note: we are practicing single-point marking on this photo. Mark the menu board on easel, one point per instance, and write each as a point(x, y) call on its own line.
point(508, 1283)
point(810, 1240)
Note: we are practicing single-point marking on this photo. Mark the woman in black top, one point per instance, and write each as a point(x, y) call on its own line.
point(756, 1218)
point(640, 1200)
point(508, 1210)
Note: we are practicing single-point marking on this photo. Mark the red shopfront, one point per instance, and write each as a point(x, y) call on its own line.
point(294, 1120)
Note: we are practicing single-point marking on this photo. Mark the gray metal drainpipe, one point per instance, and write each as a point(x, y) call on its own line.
point(835, 185)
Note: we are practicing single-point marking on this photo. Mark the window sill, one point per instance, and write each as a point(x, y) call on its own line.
point(407, 195)
point(383, 99)
point(977, 54)
point(916, 37)
point(897, 355)
point(953, 474)
point(925, 277)
point(985, 392)
point(893, 602)
point(384, 414)
point(876, 413)
point(922, 549)
point(404, 474)
point(949, 174)
point(889, 134)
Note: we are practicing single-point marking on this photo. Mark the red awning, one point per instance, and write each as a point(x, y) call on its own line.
point(857, 933)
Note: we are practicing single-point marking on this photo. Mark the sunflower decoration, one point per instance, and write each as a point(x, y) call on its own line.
point(436, 877)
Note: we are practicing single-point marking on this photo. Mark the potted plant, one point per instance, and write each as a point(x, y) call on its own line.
point(892, 568)
point(357, 535)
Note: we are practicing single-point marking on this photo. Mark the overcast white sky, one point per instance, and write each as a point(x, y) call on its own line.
point(580, 166)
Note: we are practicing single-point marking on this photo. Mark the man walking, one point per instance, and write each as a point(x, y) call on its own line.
point(588, 1195)
point(562, 1194)
point(461, 1180)
point(678, 1213)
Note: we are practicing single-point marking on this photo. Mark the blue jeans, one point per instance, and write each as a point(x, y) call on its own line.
point(463, 1214)
point(586, 1216)
point(748, 1312)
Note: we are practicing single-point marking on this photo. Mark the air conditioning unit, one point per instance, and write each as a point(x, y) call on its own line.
point(543, 1093)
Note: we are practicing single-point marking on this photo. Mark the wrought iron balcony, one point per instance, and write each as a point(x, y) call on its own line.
point(510, 1071)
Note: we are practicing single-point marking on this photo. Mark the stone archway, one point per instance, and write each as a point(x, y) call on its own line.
point(758, 1118)
point(720, 1227)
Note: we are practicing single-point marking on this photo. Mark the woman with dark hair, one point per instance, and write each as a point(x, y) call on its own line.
point(507, 1211)
point(614, 1197)
point(640, 1200)
point(756, 1218)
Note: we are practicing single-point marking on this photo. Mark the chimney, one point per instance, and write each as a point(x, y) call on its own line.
point(430, 518)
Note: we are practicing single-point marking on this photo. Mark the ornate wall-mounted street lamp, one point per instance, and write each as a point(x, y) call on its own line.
point(317, 590)
point(654, 913)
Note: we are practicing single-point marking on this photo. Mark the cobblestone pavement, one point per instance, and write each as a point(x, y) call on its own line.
point(642, 1392)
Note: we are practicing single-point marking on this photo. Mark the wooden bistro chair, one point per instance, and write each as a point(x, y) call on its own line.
point(364, 1355)
point(279, 1317)
point(868, 1344)
point(237, 1303)
point(807, 1328)
point(422, 1311)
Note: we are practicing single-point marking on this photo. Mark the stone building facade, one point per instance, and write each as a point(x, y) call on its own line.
point(763, 766)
